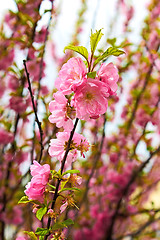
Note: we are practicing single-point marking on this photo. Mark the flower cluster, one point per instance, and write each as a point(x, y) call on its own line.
point(36, 188)
point(79, 96)
point(90, 94)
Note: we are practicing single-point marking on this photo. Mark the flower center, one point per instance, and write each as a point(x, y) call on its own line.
point(72, 145)
point(89, 96)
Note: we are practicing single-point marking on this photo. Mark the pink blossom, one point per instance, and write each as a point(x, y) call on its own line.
point(50, 211)
point(20, 238)
point(34, 71)
point(58, 146)
point(90, 99)
point(17, 103)
point(71, 75)
point(63, 207)
point(61, 112)
point(40, 36)
point(109, 75)
point(5, 137)
point(113, 157)
point(36, 187)
point(6, 54)
point(44, 90)
point(13, 82)
point(43, 170)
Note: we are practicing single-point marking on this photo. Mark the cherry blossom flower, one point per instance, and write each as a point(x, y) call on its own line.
point(18, 104)
point(90, 100)
point(62, 113)
point(58, 146)
point(71, 75)
point(5, 137)
point(36, 188)
point(109, 75)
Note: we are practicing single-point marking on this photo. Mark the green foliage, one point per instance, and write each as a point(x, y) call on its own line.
point(51, 186)
point(111, 51)
point(56, 174)
point(63, 183)
point(111, 41)
point(94, 40)
point(24, 199)
point(79, 49)
point(91, 74)
point(72, 171)
point(42, 231)
point(31, 235)
point(41, 212)
point(69, 189)
point(64, 224)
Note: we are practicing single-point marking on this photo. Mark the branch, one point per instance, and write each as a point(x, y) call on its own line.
point(35, 112)
point(62, 168)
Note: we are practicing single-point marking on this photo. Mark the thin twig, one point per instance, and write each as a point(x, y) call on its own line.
point(35, 111)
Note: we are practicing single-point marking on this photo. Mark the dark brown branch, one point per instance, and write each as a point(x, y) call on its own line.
point(35, 111)
point(62, 168)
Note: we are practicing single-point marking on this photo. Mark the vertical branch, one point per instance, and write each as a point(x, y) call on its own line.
point(40, 77)
point(35, 112)
point(62, 168)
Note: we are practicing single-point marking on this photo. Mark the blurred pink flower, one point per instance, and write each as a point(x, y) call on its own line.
point(5, 137)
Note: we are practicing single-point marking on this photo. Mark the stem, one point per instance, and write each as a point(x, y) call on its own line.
point(35, 111)
point(62, 168)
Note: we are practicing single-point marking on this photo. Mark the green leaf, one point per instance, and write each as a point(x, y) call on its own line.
point(56, 174)
point(64, 224)
point(41, 237)
point(42, 231)
point(51, 186)
point(31, 235)
point(68, 222)
point(71, 172)
point(57, 226)
point(111, 41)
point(40, 213)
point(79, 49)
point(94, 39)
point(91, 75)
point(63, 184)
point(111, 51)
point(24, 199)
point(69, 189)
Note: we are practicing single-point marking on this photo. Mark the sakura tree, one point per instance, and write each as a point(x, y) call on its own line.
point(64, 173)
